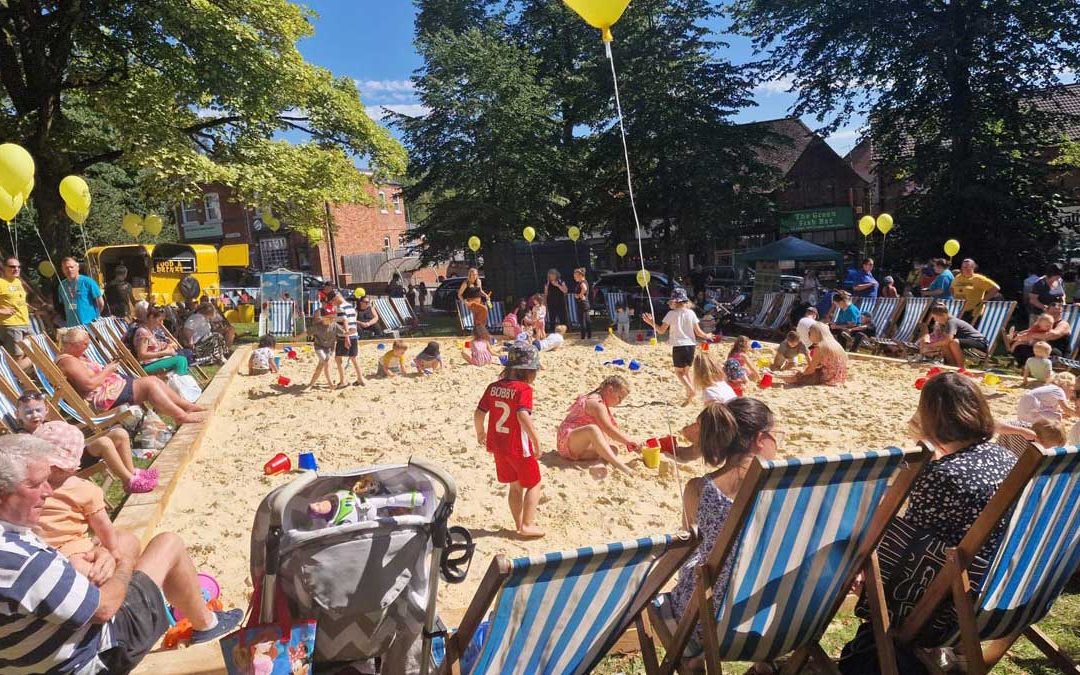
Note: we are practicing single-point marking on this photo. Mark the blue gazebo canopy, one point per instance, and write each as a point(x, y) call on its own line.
point(792, 248)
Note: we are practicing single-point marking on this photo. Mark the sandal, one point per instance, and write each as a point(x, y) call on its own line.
point(141, 483)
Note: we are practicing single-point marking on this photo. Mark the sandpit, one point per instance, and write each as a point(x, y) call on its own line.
point(391, 420)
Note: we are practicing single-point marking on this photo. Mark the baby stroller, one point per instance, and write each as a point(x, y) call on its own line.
point(369, 581)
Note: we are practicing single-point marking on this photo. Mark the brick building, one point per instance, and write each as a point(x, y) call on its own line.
point(367, 243)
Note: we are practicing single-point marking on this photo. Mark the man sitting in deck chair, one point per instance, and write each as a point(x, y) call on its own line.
point(950, 336)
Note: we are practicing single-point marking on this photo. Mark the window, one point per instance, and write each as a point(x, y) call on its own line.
point(212, 203)
point(189, 212)
point(274, 252)
point(382, 201)
point(397, 202)
point(386, 242)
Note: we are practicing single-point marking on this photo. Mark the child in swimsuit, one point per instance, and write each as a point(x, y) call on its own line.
point(589, 431)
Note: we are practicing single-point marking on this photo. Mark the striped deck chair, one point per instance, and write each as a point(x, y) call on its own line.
point(465, 317)
point(799, 532)
point(613, 299)
point(37, 326)
point(883, 313)
point(905, 333)
point(60, 393)
point(955, 306)
point(1071, 314)
point(995, 316)
point(406, 314)
point(767, 302)
point(562, 612)
point(391, 324)
point(496, 314)
point(14, 382)
point(108, 333)
point(1040, 551)
point(573, 316)
point(783, 315)
point(277, 318)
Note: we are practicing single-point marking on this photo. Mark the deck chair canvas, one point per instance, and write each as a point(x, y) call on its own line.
point(905, 333)
point(613, 299)
point(391, 325)
point(277, 318)
point(14, 383)
point(562, 612)
point(800, 531)
point(465, 317)
point(1071, 314)
point(767, 302)
point(496, 314)
point(783, 314)
point(995, 316)
point(406, 314)
point(1038, 553)
point(883, 313)
point(573, 316)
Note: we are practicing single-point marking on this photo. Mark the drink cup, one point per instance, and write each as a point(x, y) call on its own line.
point(279, 463)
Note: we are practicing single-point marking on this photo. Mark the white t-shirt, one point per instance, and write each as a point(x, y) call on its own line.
point(260, 358)
point(552, 341)
point(803, 330)
point(718, 392)
point(681, 324)
point(1041, 403)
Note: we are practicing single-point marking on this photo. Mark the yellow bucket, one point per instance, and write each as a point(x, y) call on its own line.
point(246, 313)
point(651, 457)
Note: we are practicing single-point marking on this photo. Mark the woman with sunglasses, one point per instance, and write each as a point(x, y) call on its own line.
point(105, 388)
point(730, 437)
point(114, 446)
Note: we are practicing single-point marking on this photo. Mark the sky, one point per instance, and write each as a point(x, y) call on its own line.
point(372, 42)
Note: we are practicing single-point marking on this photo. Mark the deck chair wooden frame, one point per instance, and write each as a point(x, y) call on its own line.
point(910, 464)
point(768, 300)
point(678, 548)
point(63, 395)
point(952, 580)
point(996, 313)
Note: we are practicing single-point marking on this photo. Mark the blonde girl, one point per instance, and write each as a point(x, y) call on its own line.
point(709, 379)
point(828, 360)
point(590, 432)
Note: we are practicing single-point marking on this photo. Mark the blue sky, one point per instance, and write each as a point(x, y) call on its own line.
point(371, 41)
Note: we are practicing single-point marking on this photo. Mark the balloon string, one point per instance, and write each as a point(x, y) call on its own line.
point(11, 238)
point(15, 238)
point(56, 272)
point(629, 179)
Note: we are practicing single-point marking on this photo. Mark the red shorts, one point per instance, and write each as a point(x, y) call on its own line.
point(512, 468)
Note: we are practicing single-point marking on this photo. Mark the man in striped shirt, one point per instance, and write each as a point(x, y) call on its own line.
point(102, 616)
point(347, 346)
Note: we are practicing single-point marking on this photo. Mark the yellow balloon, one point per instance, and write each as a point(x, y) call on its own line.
point(273, 223)
point(866, 225)
point(952, 247)
point(359, 292)
point(643, 278)
point(132, 224)
point(76, 216)
point(529, 233)
point(16, 168)
point(76, 193)
point(574, 233)
point(10, 205)
point(153, 224)
point(602, 14)
point(27, 189)
point(884, 223)
point(46, 269)
point(474, 243)
point(621, 250)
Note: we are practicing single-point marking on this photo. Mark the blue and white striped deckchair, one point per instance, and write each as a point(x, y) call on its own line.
point(572, 313)
point(59, 392)
point(613, 299)
point(955, 306)
point(865, 304)
point(391, 325)
point(277, 318)
point(1071, 314)
point(883, 312)
point(496, 314)
point(562, 612)
point(799, 532)
point(767, 302)
point(465, 317)
point(904, 336)
point(783, 314)
point(406, 314)
point(992, 321)
point(37, 326)
point(1038, 554)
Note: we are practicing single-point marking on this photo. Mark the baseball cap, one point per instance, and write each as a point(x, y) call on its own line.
point(679, 295)
point(67, 442)
point(523, 357)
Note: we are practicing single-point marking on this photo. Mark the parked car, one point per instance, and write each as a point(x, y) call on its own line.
point(789, 283)
point(445, 295)
point(719, 276)
point(660, 287)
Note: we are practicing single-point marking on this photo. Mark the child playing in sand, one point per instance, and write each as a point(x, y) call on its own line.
point(479, 351)
point(1050, 401)
point(392, 363)
point(685, 333)
point(429, 360)
point(1039, 367)
point(511, 437)
point(553, 340)
point(511, 327)
point(476, 302)
point(589, 431)
point(261, 360)
point(738, 367)
point(788, 351)
point(709, 379)
point(1050, 433)
point(536, 318)
point(325, 333)
point(76, 506)
point(622, 321)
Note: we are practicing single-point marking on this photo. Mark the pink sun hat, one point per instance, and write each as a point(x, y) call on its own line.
point(67, 442)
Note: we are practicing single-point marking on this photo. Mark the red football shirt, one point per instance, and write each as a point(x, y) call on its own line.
point(501, 401)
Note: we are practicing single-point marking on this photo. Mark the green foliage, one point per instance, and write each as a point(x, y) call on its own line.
point(522, 126)
point(953, 91)
point(179, 93)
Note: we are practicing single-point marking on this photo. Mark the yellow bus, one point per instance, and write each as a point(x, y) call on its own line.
point(155, 271)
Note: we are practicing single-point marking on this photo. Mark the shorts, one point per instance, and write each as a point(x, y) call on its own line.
point(683, 357)
point(979, 345)
point(10, 336)
point(341, 350)
point(324, 353)
point(137, 625)
point(127, 394)
point(510, 468)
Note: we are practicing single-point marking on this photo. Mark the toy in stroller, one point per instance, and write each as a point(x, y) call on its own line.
point(359, 552)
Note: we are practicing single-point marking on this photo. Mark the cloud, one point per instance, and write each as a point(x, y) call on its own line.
point(778, 86)
point(372, 86)
point(378, 112)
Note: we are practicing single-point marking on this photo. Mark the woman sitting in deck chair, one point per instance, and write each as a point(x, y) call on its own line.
point(105, 388)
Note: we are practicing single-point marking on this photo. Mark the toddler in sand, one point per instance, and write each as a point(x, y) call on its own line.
point(738, 368)
point(553, 340)
point(325, 333)
point(392, 362)
point(709, 379)
point(1050, 401)
point(1039, 367)
point(622, 321)
point(479, 351)
point(511, 437)
point(261, 360)
point(788, 351)
point(589, 431)
point(429, 360)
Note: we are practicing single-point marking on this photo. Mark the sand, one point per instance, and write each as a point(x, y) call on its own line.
point(391, 420)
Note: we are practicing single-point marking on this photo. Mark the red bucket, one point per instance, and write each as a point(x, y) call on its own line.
point(665, 443)
point(279, 463)
point(283, 381)
point(766, 381)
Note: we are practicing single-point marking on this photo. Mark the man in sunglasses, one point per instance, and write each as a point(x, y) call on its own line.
point(14, 312)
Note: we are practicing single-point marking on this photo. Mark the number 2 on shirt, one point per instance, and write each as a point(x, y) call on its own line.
point(504, 414)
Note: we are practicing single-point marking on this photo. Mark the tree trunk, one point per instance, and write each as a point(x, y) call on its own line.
point(53, 223)
point(960, 116)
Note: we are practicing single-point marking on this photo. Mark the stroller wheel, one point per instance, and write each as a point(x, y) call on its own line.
point(457, 555)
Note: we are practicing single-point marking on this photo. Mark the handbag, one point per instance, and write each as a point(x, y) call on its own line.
point(186, 386)
point(284, 647)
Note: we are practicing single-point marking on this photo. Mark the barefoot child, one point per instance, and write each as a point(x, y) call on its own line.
point(738, 368)
point(261, 360)
point(685, 333)
point(788, 351)
point(1039, 367)
point(479, 351)
point(622, 321)
point(537, 318)
point(553, 340)
point(428, 361)
point(325, 333)
point(590, 432)
point(709, 379)
point(511, 437)
point(392, 362)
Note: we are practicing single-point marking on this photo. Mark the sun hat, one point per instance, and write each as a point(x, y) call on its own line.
point(523, 357)
point(431, 351)
point(679, 295)
point(67, 442)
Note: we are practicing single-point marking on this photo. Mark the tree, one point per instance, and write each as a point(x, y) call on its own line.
point(181, 93)
point(953, 89)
